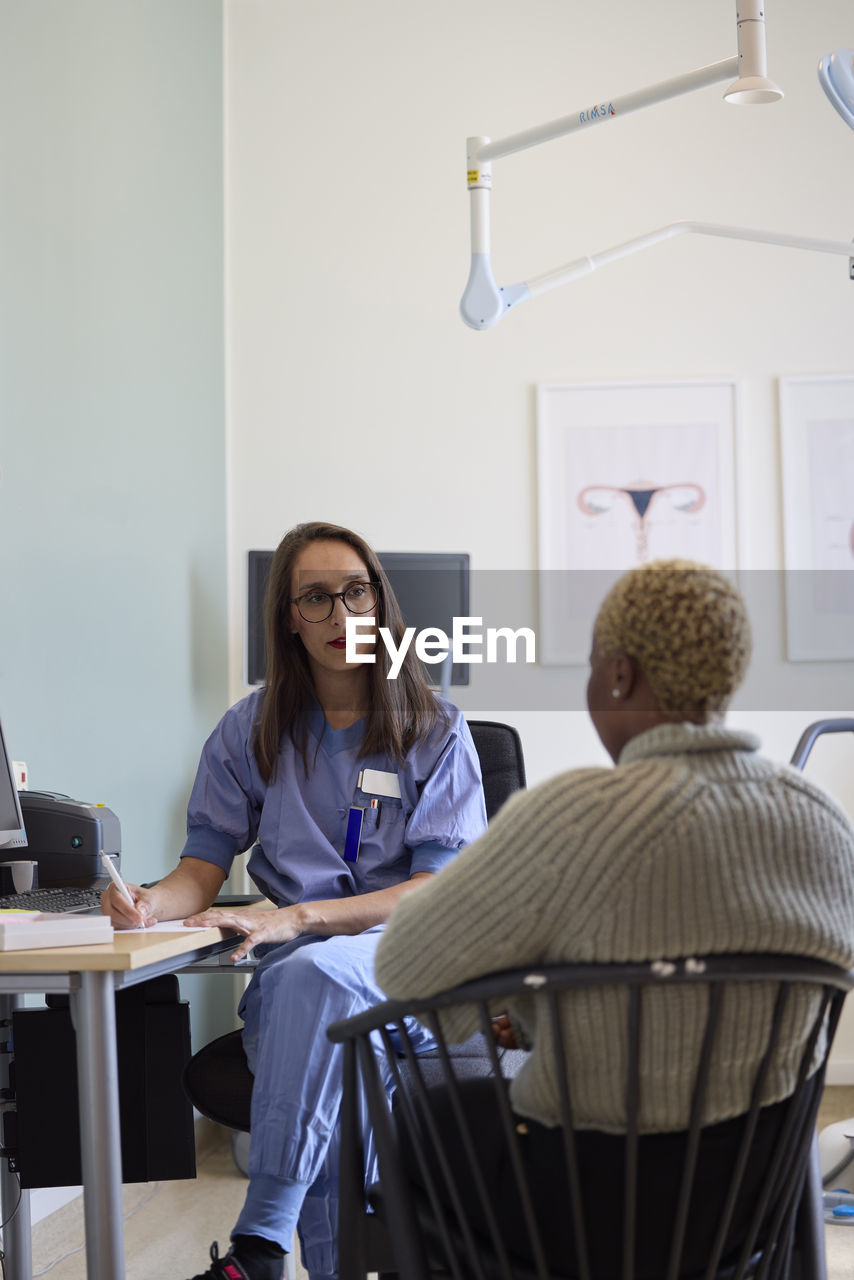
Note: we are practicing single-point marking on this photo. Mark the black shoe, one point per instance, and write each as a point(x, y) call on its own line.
point(227, 1268)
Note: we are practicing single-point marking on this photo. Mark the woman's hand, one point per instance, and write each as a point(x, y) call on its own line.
point(505, 1036)
point(192, 886)
point(257, 924)
point(124, 916)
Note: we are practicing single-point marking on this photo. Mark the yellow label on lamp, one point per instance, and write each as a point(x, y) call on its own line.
point(474, 174)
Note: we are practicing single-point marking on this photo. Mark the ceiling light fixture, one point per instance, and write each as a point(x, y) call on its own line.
point(484, 302)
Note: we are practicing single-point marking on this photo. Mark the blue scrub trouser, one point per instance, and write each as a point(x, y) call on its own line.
point(298, 989)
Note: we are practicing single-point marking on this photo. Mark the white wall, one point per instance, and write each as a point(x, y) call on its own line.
point(356, 394)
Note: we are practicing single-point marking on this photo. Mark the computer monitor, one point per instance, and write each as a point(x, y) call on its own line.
point(12, 833)
point(254, 646)
point(432, 588)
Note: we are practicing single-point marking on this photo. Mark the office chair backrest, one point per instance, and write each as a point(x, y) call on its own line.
point(502, 764)
point(706, 1202)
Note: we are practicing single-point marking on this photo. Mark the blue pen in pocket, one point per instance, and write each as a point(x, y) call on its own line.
point(353, 839)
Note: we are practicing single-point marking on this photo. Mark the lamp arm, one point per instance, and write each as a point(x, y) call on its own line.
point(606, 109)
point(751, 85)
point(484, 302)
point(589, 263)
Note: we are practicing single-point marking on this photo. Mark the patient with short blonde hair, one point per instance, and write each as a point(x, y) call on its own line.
point(692, 844)
point(686, 627)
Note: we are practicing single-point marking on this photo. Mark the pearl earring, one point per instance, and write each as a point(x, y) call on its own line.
point(615, 693)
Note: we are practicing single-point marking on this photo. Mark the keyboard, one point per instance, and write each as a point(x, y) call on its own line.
point(62, 899)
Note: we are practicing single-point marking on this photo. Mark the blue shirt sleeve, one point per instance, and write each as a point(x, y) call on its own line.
point(450, 812)
point(225, 803)
point(431, 857)
point(211, 845)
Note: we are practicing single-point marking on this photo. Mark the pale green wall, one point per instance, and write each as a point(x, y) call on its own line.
point(112, 439)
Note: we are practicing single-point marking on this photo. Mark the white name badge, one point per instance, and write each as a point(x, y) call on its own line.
point(376, 782)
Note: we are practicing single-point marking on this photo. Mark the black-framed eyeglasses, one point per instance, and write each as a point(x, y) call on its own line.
point(317, 606)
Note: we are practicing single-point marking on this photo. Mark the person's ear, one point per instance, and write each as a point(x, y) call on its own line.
point(625, 674)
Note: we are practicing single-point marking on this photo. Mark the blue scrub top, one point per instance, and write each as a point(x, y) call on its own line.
point(298, 825)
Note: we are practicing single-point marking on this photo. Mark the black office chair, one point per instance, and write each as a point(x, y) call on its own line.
point(217, 1078)
point(436, 1194)
point(502, 765)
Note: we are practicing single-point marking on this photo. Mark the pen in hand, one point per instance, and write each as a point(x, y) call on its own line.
point(116, 879)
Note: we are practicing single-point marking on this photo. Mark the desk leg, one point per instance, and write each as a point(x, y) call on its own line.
point(94, 1011)
point(15, 1200)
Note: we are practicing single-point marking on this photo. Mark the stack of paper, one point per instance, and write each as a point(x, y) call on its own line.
point(24, 930)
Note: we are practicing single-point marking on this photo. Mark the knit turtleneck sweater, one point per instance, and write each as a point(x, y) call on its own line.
point(692, 844)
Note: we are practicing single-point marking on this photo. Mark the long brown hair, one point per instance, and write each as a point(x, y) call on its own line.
point(401, 712)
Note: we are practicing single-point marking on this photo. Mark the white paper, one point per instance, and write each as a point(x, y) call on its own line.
point(168, 926)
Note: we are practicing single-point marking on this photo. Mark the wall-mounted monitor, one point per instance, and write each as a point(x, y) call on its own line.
point(432, 588)
point(254, 646)
point(12, 833)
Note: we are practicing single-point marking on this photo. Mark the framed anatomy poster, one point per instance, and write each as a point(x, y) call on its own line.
point(817, 452)
point(628, 472)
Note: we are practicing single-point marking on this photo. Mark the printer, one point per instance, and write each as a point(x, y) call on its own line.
point(65, 837)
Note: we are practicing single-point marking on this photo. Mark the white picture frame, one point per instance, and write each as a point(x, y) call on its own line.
point(627, 472)
point(817, 465)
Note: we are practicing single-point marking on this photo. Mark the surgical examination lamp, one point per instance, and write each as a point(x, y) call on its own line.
point(484, 303)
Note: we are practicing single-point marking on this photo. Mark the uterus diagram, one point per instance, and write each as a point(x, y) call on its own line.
point(643, 497)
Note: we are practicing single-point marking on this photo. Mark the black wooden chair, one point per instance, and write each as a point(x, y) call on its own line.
point(758, 1215)
point(837, 1149)
point(217, 1078)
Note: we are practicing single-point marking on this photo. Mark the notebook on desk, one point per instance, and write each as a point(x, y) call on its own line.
point(32, 930)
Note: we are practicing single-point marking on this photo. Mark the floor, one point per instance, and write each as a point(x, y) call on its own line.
point(169, 1226)
point(838, 1104)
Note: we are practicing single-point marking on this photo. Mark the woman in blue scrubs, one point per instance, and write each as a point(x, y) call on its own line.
point(351, 789)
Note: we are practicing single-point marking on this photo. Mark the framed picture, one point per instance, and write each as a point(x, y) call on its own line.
point(817, 452)
point(628, 472)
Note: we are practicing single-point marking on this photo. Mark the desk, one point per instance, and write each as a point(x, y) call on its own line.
point(91, 975)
